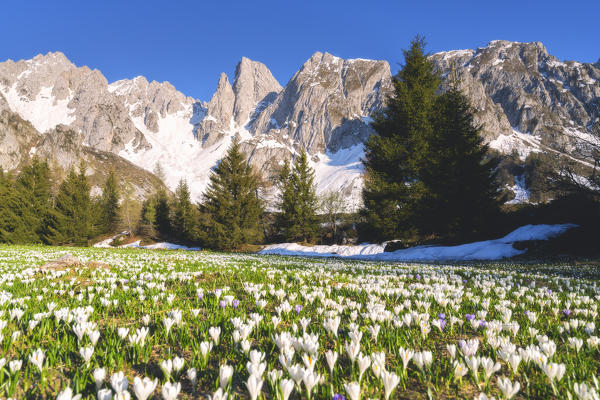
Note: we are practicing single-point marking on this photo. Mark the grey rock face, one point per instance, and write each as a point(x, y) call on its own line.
point(219, 114)
point(252, 85)
point(16, 138)
point(521, 86)
point(150, 101)
point(100, 118)
point(325, 104)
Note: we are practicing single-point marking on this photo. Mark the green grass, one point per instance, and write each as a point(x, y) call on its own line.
point(156, 285)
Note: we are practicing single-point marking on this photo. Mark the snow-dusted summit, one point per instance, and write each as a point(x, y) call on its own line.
point(526, 100)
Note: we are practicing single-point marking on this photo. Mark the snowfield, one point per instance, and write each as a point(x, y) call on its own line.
point(485, 250)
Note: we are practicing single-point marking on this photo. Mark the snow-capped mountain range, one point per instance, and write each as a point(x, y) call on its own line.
point(526, 100)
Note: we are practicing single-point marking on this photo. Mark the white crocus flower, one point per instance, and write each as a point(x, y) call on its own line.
point(225, 374)
point(144, 388)
point(37, 358)
point(254, 384)
point(509, 389)
point(390, 381)
point(286, 386)
point(67, 394)
point(99, 375)
point(171, 390)
point(331, 357)
point(119, 382)
point(353, 390)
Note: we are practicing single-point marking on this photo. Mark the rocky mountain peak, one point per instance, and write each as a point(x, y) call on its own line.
point(253, 84)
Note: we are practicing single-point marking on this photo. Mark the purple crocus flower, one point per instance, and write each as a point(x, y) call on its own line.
point(200, 296)
point(470, 317)
point(338, 396)
point(566, 312)
point(549, 291)
point(297, 308)
point(442, 324)
point(223, 303)
point(482, 324)
point(526, 312)
point(418, 277)
point(235, 303)
point(442, 316)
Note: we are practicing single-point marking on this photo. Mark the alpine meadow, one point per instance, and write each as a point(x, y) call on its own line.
point(398, 217)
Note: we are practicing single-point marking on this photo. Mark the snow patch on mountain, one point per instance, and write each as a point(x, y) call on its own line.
point(44, 112)
point(179, 154)
point(341, 172)
point(523, 143)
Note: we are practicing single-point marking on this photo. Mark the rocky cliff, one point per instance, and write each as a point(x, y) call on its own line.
point(525, 99)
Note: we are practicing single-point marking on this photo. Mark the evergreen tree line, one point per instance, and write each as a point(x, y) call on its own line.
point(30, 212)
point(232, 213)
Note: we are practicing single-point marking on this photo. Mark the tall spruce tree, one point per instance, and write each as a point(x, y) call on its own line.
point(70, 220)
point(460, 193)
point(162, 214)
point(27, 203)
point(298, 218)
point(394, 154)
point(184, 217)
point(110, 210)
point(231, 210)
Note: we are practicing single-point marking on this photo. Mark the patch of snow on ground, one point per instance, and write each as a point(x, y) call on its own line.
point(322, 251)
point(44, 112)
point(106, 242)
point(160, 246)
point(485, 250)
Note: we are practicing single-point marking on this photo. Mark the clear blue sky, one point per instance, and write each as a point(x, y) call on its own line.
point(188, 43)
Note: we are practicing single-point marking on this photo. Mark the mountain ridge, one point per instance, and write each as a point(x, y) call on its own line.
point(525, 99)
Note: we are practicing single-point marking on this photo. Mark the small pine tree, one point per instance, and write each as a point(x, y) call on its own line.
point(162, 214)
point(145, 226)
point(184, 218)
point(110, 210)
point(159, 171)
point(231, 210)
point(70, 220)
point(298, 201)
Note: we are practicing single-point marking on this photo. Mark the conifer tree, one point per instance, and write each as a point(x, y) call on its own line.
point(6, 218)
point(298, 201)
point(109, 204)
point(427, 170)
point(184, 218)
point(459, 190)
point(145, 226)
point(70, 220)
point(27, 203)
point(162, 214)
point(394, 154)
point(231, 210)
